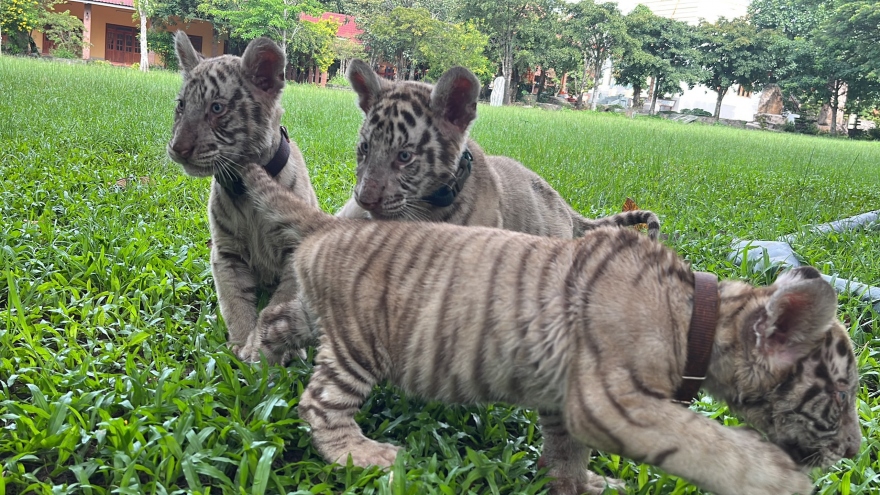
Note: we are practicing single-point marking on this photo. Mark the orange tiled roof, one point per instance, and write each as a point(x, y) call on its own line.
point(347, 26)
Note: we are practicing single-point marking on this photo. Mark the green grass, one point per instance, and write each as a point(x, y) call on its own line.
point(114, 377)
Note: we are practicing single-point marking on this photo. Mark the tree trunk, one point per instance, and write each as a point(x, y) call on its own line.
point(654, 95)
point(142, 12)
point(399, 68)
point(637, 96)
point(595, 95)
point(580, 87)
point(284, 49)
point(507, 70)
point(720, 92)
point(835, 103)
point(541, 84)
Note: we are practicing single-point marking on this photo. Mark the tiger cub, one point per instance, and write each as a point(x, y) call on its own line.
point(228, 114)
point(415, 161)
point(591, 332)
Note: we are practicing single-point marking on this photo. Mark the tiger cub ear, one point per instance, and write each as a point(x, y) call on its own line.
point(365, 82)
point(262, 65)
point(454, 98)
point(187, 56)
point(796, 317)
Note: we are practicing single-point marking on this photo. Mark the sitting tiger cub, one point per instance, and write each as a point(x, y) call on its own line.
point(595, 333)
point(229, 113)
point(416, 162)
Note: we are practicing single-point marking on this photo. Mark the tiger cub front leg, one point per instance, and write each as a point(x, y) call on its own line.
point(284, 326)
point(723, 460)
point(567, 459)
point(329, 404)
point(237, 295)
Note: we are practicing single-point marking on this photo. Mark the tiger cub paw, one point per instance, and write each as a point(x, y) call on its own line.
point(247, 352)
point(370, 453)
point(594, 484)
point(771, 471)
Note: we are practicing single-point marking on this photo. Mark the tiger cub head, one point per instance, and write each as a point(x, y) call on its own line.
point(789, 366)
point(228, 110)
point(412, 138)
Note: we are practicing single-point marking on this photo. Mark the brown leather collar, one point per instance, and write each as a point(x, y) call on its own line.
point(701, 336)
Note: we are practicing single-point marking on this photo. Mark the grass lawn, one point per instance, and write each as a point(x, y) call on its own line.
point(114, 377)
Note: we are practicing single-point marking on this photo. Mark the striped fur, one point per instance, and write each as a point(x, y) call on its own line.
point(591, 332)
point(410, 144)
point(229, 113)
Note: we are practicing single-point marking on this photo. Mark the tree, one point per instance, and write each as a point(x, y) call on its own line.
point(412, 39)
point(451, 44)
point(634, 64)
point(347, 50)
point(793, 18)
point(144, 9)
point(507, 22)
point(313, 44)
point(396, 37)
point(672, 56)
point(19, 17)
point(249, 19)
point(856, 27)
point(65, 32)
point(731, 52)
point(598, 30)
point(828, 53)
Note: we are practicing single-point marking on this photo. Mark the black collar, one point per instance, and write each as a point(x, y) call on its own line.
point(235, 187)
point(701, 337)
point(445, 195)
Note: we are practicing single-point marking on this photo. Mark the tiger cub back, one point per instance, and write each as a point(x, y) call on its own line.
point(415, 161)
point(591, 332)
point(228, 114)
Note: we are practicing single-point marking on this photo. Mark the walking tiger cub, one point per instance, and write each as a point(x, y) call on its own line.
point(228, 114)
point(592, 333)
point(416, 162)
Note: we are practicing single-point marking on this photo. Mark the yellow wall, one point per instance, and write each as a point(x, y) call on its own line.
point(103, 15)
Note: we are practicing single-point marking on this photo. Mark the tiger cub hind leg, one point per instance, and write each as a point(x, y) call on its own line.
point(567, 459)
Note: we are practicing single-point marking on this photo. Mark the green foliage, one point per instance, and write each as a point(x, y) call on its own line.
point(66, 31)
point(699, 112)
point(250, 19)
point(731, 52)
point(793, 18)
point(22, 15)
point(599, 32)
point(456, 44)
point(413, 40)
point(339, 79)
point(517, 30)
point(114, 371)
point(19, 17)
point(162, 43)
point(634, 64)
point(314, 44)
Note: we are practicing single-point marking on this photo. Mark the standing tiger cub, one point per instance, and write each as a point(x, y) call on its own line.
point(228, 114)
point(594, 333)
point(415, 161)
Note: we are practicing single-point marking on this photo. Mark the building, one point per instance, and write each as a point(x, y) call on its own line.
point(111, 32)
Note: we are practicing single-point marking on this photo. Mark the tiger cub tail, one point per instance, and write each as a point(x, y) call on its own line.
point(625, 219)
point(295, 218)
